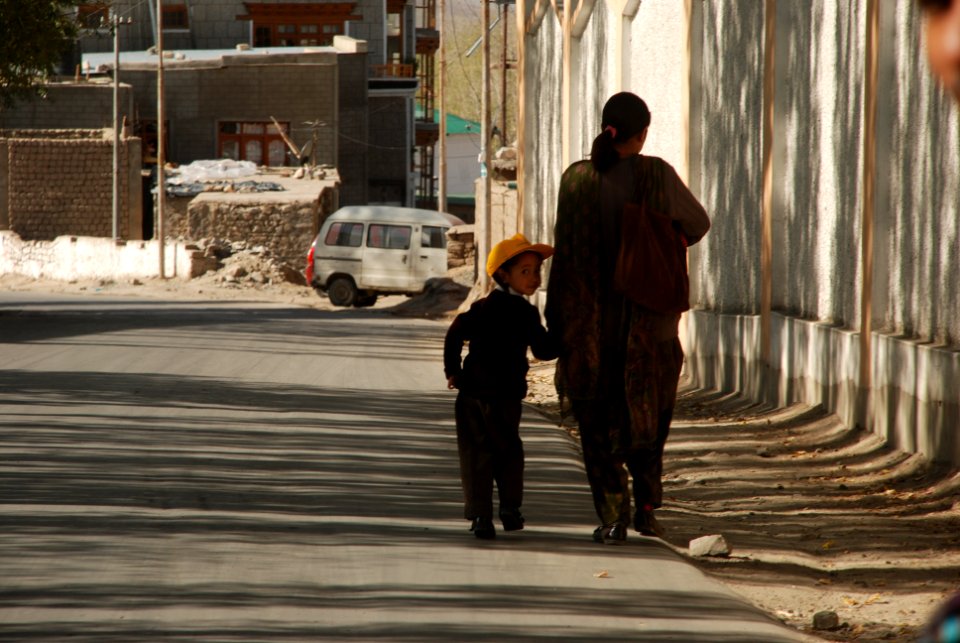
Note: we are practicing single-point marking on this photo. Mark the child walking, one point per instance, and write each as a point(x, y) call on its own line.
point(493, 380)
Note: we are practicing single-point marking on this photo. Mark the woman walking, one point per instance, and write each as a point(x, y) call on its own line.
point(620, 361)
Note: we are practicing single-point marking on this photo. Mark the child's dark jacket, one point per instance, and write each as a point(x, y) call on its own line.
point(499, 328)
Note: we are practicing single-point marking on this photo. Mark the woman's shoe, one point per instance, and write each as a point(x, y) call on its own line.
point(512, 519)
point(615, 534)
point(483, 528)
point(647, 524)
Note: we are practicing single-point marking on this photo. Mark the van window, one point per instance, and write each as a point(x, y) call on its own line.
point(345, 234)
point(432, 237)
point(392, 237)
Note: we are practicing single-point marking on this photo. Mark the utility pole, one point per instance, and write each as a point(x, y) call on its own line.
point(485, 148)
point(505, 13)
point(115, 22)
point(442, 90)
point(161, 151)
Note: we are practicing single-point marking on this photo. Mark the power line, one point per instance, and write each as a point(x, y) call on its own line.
point(463, 69)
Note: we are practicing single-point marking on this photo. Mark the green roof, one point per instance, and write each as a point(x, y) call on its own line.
point(455, 124)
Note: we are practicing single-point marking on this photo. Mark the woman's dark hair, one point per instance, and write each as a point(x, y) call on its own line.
point(624, 116)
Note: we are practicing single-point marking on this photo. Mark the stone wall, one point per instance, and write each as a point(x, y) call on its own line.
point(60, 182)
point(284, 222)
point(461, 249)
point(287, 229)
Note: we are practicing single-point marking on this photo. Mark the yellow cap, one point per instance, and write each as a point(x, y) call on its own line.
point(510, 248)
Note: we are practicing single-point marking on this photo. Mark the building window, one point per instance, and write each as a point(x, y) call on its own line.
point(257, 142)
point(175, 17)
point(93, 15)
point(288, 24)
point(146, 130)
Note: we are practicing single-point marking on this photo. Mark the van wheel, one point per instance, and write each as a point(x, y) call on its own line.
point(342, 292)
point(365, 300)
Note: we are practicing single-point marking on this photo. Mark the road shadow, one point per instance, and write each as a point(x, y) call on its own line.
point(124, 469)
point(806, 502)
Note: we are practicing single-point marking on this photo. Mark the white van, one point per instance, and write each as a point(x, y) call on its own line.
point(365, 250)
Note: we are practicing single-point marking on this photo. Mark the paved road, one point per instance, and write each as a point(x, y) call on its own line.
point(237, 471)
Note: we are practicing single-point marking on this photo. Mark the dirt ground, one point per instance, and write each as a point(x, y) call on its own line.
point(818, 517)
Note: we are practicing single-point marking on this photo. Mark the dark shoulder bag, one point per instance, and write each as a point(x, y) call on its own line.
point(652, 264)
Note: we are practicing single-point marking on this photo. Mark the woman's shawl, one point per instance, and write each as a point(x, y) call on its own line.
point(652, 355)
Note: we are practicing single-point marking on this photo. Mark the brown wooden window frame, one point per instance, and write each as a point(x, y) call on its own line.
point(176, 17)
point(243, 136)
point(298, 25)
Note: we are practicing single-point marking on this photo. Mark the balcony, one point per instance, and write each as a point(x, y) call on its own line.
point(392, 70)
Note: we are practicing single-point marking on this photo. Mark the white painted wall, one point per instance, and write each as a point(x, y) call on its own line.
point(67, 258)
point(463, 166)
point(913, 395)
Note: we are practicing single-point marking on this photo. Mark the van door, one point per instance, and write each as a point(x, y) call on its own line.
point(339, 250)
point(386, 257)
point(430, 259)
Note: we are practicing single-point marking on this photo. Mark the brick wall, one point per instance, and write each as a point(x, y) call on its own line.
point(61, 183)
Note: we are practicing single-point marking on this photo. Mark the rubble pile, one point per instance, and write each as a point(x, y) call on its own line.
point(239, 264)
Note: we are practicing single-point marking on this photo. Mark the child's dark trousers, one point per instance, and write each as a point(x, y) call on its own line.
point(488, 439)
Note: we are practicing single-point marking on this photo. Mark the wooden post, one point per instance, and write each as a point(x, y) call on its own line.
point(115, 24)
point(442, 89)
point(521, 13)
point(485, 150)
point(504, 15)
point(766, 224)
point(869, 185)
point(161, 151)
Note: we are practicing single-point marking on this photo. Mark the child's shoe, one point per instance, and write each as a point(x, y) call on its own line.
point(512, 519)
point(483, 528)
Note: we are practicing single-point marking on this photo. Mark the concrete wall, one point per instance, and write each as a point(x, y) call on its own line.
point(389, 148)
point(918, 210)
point(902, 381)
point(214, 25)
point(463, 150)
point(542, 77)
point(325, 87)
point(73, 105)
point(58, 182)
point(726, 109)
point(294, 88)
point(372, 29)
point(353, 116)
point(74, 257)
